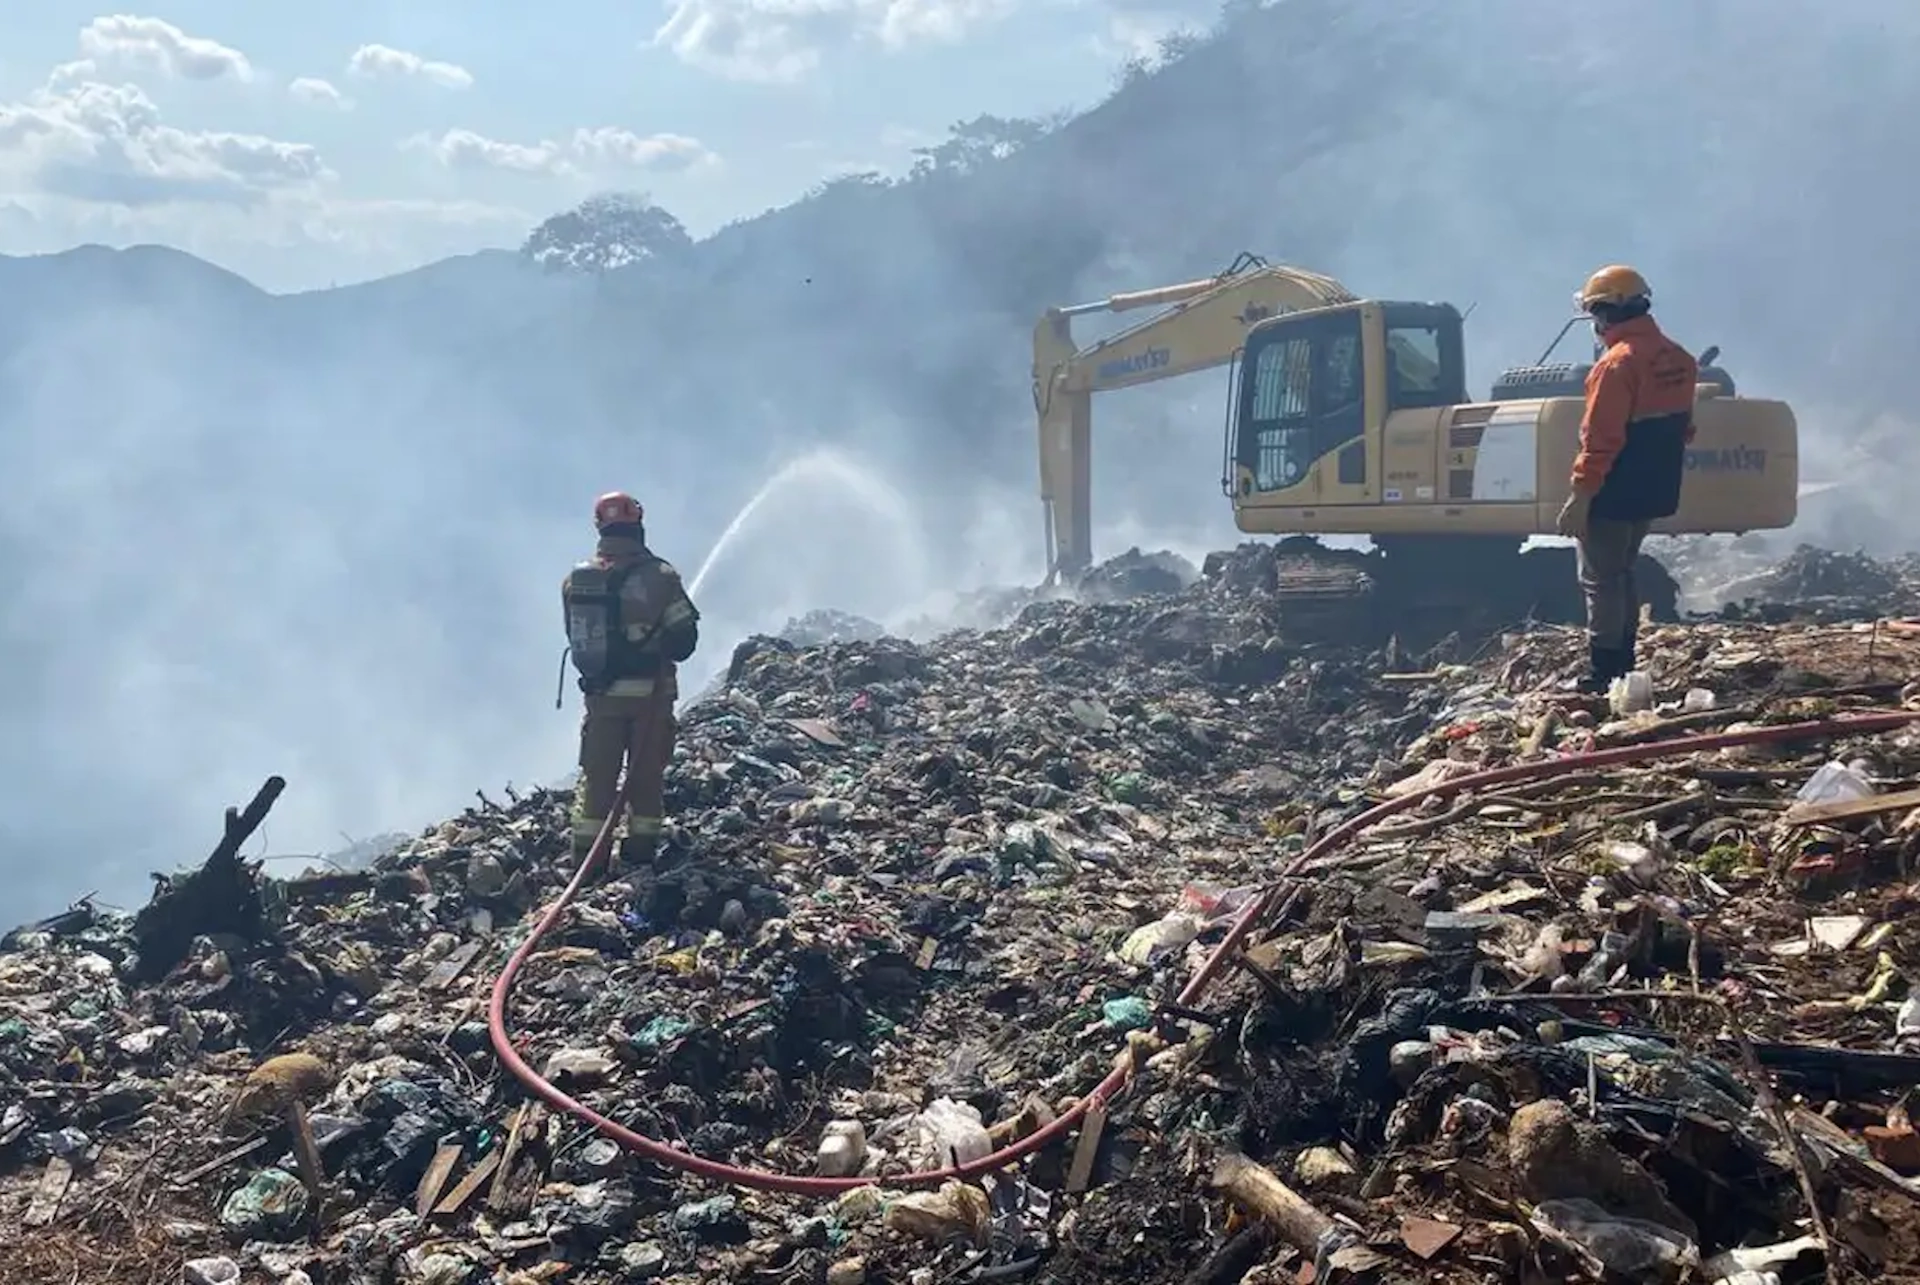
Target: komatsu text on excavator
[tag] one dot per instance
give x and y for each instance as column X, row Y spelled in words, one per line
column 1350, row 416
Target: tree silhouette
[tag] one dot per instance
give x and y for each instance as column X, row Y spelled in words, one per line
column 604, row 233
column 972, row 143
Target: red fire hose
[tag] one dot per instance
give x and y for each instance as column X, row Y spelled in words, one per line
column 1116, row 1080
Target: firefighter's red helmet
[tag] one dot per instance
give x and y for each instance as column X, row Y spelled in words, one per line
column 615, row 508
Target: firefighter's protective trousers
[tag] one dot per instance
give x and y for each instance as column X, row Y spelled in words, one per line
column 630, row 725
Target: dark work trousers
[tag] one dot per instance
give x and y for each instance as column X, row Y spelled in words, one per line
column 1607, row 553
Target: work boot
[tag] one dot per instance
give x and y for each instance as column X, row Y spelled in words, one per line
column 1604, row 664
column 636, row 850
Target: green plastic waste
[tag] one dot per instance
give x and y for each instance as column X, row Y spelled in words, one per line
column 270, row 1207
column 661, row 1030
column 1128, row 1013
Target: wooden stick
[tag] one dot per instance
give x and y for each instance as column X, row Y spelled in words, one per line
column 508, row 1153
column 220, row 1161
column 434, row 1180
column 240, row 825
column 306, row 1152
column 463, row 1191
column 448, row 970
column 1806, row 814
column 1080, row 1172
column 1256, row 1189
column 1537, row 739
column 1677, row 725
column 44, row 1207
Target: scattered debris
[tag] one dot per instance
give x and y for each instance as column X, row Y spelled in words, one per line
column 918, row 899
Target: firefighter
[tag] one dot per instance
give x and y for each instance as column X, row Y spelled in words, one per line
column 1633, row 440
column 629, row 623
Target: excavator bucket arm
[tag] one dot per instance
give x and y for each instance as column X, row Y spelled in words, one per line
column 1200, row 325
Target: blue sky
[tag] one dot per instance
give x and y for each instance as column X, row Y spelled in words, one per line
column 308, row 146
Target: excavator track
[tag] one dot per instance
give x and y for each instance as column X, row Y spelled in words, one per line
column 1422, row 592
column 1322, row 602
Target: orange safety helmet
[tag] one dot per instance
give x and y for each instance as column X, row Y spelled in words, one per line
column 616, row 508
column 1614, row 284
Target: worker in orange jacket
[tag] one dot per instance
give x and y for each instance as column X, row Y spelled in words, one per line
column 629, row 624
column 1627, row 475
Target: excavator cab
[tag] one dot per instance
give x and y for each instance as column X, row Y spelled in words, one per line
column 1311, row 387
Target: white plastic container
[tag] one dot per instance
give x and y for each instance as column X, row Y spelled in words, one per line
column 1631, row 693
column 843, row 1149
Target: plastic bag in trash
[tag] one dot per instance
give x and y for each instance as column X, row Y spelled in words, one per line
column 1633, row 1247
column 949, row 1133
column 1834, row 783
column 958, row 1211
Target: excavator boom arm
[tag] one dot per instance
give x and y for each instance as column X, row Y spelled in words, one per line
column 1202, row 325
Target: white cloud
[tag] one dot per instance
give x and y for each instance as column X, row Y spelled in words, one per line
column 778, row 41
column 907, row 22
column 382, row 61
column 596, row 150
column 106, row 144
column 462, row 149
column 87, row 159
column 153, row 42
column 608, row 146
column 318, row 93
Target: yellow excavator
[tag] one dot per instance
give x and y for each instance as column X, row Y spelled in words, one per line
column 1350, row 416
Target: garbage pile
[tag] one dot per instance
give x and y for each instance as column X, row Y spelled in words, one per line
column 1710, row 568
column 827, row 626
column 1641, row 1023
column 1832, row 586
column 1740, row 579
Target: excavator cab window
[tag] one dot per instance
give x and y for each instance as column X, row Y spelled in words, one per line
column 1304, row 397
column 1426, row 360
